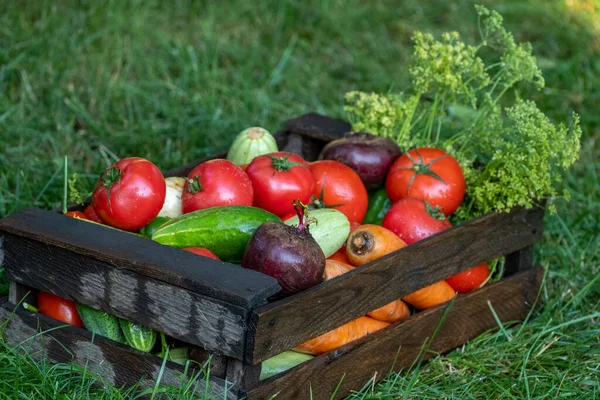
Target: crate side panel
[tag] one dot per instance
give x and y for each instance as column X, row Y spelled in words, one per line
column 86, row 240
column 117, row 364
column 286, row 323
column 318, row 126
column 397, row 346
column 213, row 324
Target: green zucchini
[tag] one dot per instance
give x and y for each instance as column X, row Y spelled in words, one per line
column 379, row 204
column 100, row 322
column 282, row 362
column 138, row 336
column 330, row 230
column 251, row 143
column 223, row 230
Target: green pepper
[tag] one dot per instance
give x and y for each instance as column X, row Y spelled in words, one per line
column 149, row 229
column 379, row 204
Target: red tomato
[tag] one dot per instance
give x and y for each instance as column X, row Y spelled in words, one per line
column 58, row 308
column 76, row 214
column 353, row 225
column 465, row 281
column 91, row 214
column 278, row 179
column 216, row 183
column 411, row 221
column 201, row 251
column 338, row 186
column 429, row 174
column 129, row 194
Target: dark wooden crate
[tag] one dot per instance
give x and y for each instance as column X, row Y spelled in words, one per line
column 225, row 312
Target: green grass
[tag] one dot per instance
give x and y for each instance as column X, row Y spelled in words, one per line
column 177, row 80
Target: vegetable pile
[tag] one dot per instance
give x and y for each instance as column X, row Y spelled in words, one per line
column 445, row 151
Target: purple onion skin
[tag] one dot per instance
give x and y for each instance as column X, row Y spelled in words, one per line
column 293, row 258
column 368, row 155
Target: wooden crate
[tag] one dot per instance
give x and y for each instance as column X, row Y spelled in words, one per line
column 227, row 314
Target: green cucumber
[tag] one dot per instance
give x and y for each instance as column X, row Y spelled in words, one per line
column 330, row 231
column 282, row 362
column 251, row 143
column 223, row 230
column 138, row 336
column 379, row 204
column 156, row 223
column 100, row 322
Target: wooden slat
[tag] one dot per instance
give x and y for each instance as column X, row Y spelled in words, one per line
column 116, row 363
column 318, row 127
column 217, row 326
column 375, row 355
column 18, row 293
column 87, row 242
column 286, row 323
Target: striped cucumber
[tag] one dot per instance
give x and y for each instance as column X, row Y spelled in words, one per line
column 223, row 230
column 138, row 336
column 251, row 143
column 330, row 231
column 100, row 322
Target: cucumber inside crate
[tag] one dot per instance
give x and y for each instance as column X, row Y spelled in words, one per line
column 228, row 313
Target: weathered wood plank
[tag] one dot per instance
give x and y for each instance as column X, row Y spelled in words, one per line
column 318, row 126
column 375, row 355
column 213, row 324
column 18, row 293
column 286, row 323
column 94, row 243
column 245, row 375
column 46, row 338
column 217, row 364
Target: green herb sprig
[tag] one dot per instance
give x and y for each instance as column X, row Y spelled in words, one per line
column 512, row 154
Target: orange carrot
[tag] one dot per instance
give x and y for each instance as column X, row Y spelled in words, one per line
column 335, row 268
column 369, row 242
column 340, row 255
column 338, row 337
column 395, row 311
column 430, row 296
column 392, row 312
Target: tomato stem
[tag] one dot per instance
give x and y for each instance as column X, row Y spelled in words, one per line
column 109, row 177
column 318, row 203
column 282, row 164
column 435, row 212
column 420, row 168
column 194, row 185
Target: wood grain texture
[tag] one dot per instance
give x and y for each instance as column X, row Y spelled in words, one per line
column 318, row 126
column 245, row 375
column 217, row 326
column 375, row 355
column 217, row 364
column 286, row 323
column 87, row 242
column 116, row 363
